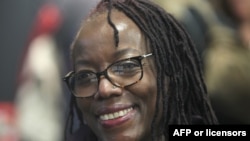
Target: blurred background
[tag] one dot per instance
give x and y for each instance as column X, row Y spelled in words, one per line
column 35, row 38
column 36, row 35
column 16, row 20
column 220, row 30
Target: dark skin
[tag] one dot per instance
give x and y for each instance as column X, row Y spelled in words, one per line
column 95, row 51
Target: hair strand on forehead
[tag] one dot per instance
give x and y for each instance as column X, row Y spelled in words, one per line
column 112, row 24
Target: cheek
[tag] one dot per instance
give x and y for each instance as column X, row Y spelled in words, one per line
column 146, row 90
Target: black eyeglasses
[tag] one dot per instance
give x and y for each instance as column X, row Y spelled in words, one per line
column 121, row 74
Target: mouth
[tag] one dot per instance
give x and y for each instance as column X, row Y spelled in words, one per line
column 115, row 115
column 115, row 118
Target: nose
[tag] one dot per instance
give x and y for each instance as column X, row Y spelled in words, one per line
column 106, row 89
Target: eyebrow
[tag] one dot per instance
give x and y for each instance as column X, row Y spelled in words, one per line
column 116, row 55
column 125, row 51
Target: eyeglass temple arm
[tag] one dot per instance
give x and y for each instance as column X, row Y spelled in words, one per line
column 67, row 75
column 147, row 55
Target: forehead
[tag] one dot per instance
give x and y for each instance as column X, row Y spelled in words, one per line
column 99, row 19
column 97, row 26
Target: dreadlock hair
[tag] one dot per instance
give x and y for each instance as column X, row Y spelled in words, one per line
column 185, row 101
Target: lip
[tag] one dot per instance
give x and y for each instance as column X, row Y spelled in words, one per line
column 110, row 123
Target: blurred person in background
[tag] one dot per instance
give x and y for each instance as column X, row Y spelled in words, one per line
column 197, row 17
column 39, row 96
column 222, row 44
column 235, row 15
column 227, row 63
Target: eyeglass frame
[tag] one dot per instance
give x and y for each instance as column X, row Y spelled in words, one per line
column 70, row 74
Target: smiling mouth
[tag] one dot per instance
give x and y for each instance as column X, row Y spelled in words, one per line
column 115, row 115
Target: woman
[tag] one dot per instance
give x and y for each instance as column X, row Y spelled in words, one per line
column 135, row 71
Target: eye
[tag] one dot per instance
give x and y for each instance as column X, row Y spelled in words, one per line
column 85, row 78
column 127, row 67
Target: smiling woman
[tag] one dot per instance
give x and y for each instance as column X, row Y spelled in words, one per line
column 135, row 71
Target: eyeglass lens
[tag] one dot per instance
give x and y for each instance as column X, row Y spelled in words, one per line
column 121, row 74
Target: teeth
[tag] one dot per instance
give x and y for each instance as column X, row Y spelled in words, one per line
column 115, row 115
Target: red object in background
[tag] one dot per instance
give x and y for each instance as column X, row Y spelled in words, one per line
column 48, row 19
column 8, row 131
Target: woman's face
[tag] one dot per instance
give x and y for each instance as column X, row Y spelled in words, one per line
column 95, row 51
